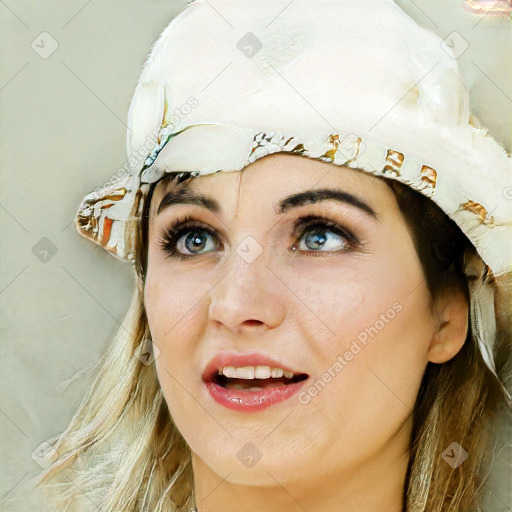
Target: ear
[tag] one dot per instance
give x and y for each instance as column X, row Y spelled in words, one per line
column 452, row 313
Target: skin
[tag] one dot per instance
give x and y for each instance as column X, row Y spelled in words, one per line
column 347, row 448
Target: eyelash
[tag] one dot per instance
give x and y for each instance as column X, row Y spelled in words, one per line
column 167, row 242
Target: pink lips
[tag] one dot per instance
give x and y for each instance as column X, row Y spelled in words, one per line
column 247, row 401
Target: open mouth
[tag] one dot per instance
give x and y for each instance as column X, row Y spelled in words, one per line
column 251, row 382
column 256, row 384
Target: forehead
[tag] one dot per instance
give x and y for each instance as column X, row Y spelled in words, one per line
column 273, row 176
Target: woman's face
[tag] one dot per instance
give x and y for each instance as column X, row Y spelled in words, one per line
column 344, row 302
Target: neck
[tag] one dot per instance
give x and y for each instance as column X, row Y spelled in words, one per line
column 376, row 485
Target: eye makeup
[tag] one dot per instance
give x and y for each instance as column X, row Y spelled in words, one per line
column 170, row 241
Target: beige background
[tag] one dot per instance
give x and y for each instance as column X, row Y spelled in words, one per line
column 62, row 135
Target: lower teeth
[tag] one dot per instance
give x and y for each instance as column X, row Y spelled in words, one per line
column 254, row 388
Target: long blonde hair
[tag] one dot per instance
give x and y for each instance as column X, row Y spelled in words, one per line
column 122, row 451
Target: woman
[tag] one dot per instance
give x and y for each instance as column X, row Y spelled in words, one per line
column 326, row 329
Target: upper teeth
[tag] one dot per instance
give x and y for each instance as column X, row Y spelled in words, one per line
column 254, row 372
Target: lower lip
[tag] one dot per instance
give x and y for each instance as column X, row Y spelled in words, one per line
column 252, row 401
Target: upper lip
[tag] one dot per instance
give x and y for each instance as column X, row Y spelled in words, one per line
column 240, row 360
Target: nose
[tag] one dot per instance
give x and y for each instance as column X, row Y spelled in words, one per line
column 247, row 296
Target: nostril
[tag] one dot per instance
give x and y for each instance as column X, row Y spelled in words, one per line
column 251, row 323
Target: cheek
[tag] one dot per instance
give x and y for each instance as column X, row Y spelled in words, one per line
column 376, row 300
column 380, row 328
column 176, row 302
column 173, row 300
column 369, row 364
column 174, row 310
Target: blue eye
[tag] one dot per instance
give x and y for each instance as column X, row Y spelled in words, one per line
column 318, row 239
column 195, row 242
column 316, row 229
column 185, row 240
column 179, row 246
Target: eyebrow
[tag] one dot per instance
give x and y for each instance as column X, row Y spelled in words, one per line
column 293, row 201
column 323, row 194
column 187, row 197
